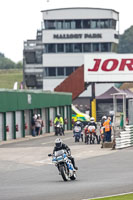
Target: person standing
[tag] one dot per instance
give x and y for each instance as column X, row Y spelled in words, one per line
column 38, row 125
column 33, row 125
column 102, row 131
column 107, row 125
column 108, row 136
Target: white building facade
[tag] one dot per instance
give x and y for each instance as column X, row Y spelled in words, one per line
column 67, row 35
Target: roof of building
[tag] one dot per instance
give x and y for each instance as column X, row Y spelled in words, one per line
column 113, row 90
column 80, row 8
column 127, row 86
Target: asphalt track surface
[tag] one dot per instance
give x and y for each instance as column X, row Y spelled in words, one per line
column 26, row 172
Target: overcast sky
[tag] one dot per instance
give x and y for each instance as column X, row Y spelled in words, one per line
column 20, row 19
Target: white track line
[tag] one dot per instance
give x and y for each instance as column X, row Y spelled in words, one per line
column 53, row 142
column 47, row 143
column 110, row 196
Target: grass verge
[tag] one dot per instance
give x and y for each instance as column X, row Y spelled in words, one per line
column 121, row 197
column 9, row 77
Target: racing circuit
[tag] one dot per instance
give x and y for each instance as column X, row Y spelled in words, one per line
column 27, row 172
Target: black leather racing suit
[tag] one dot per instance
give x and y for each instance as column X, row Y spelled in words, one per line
column 65, row 147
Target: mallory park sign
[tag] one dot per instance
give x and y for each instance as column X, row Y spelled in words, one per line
column 108, row 67
column 76, row 36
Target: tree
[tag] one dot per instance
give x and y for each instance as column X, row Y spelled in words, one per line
column 6, row 63
column 126, row 41
column 19, row 65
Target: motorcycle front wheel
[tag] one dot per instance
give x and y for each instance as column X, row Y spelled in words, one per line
column 64, row 174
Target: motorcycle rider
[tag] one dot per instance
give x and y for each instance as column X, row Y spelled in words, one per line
column 59, row 145
column 92, row 123
column 59, row 119
column 80, row 124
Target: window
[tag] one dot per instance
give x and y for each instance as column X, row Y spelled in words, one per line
column 39, row 56
column 30, row 57
column 78, row 24
column 60, row 47
column 101, row 24
column 116, row 36
column 67, row 24
column 51, row 48
column 86, row 24
column 87, row 47
column 106, row 23
column 69, row 70
column 93, row 24
column 45, row 72
column 50, row 24
column 69, row 48
column 73, row 48
column 60, row 71
column 52, row 71
column 73, row 25
column 59, row 24
column 45, row 49
column 98, row 24
column 104, row 47
column 96, row 47
column 77, row 48
column 113, row 24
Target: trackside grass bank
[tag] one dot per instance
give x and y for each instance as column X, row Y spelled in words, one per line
column 121, row 197
column 9, row 77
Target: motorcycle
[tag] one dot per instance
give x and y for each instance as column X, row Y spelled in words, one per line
column 92, row 134
column 77, row 133
column 64, row 165
column 58, row 129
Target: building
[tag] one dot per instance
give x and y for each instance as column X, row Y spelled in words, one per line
column 17, row 109
column 66, row 36
column 105, row 103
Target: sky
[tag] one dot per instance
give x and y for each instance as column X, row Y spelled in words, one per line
column 20, row 19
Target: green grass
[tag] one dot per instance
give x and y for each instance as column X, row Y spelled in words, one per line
column 9, row 77
column 121, row 197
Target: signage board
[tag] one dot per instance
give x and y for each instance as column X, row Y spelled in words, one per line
column 77, row 36
column 108, row 67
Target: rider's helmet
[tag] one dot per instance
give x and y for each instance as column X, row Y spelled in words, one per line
column 78, row 123
column 92, row 119
column 58, row 115
column 104, row 117
column 58, row 142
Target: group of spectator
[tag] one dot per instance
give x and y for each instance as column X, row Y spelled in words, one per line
column 36, row 125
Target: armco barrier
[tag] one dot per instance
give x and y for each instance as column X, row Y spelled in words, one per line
column 125, row 139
